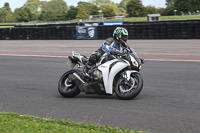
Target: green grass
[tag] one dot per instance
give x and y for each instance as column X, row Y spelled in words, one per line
column 15, row 123
column 180, row 17
column 1, row 27
column 144, row 19
column 133, row 19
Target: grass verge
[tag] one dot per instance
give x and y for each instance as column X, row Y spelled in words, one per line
column 133, row 19
column 11, row 122
column 163, row 18
column 1, row 27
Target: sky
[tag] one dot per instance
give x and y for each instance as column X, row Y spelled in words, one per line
column 19, row 3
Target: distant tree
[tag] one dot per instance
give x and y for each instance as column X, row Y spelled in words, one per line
column 57, row 8
column 34, row 6
column 82, row 13
column 48, row 15
column 7, row 7
column 3, row 13
column 23, row 14
column 162, row 11
column 90, row 8
column 72, row 13
column 121, row 12
column 170, row 3
column 94, row 10
column 113, row 6
column 9, row 17
column 182, row 6
column 135, row 8
column 99, row 3
column 123, row 4
column 107, row 10
column 195, row 4
column 150, row 10
column 169, row 10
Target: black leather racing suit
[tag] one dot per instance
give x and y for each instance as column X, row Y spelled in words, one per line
column 109, row 46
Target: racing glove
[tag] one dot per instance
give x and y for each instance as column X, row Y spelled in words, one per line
column 113, row 52
column 142, row 60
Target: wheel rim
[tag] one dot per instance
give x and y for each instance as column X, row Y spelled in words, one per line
column 68, row 82
column 128, row 87
column 67, row 85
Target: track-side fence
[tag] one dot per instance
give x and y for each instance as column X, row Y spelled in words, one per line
column 188, row 29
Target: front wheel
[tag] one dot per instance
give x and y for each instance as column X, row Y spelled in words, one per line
column 66, row 86
column 127, row 90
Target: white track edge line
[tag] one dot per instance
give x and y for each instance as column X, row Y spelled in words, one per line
column 50, row 56
column 34, row 55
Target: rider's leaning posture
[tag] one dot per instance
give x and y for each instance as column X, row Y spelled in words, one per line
column 116, row 73
column 112, row 45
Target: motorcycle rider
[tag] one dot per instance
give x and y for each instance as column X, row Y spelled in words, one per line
column 112, row 45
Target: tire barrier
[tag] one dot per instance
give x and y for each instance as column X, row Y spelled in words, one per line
column 38, row 33
column 188, row 29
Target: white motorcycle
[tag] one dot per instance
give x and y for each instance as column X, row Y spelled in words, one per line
column 113, row 74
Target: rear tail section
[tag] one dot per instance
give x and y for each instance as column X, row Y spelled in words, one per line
column 80, row 58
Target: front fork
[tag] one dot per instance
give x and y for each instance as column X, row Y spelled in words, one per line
column 127, row 74
column 126, row 77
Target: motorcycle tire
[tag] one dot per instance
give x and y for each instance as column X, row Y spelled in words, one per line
column 66, row 87
column 128, row 93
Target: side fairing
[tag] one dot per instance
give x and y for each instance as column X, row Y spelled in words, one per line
column 109, row 70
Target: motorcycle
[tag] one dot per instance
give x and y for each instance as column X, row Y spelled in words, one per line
column 114, row 74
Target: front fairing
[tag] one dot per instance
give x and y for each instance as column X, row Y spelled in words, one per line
column 134, row 60
column 109, row 71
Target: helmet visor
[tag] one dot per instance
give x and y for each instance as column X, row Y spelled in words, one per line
column 124, row 38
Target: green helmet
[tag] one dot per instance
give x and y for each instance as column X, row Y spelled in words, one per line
column 120, row 33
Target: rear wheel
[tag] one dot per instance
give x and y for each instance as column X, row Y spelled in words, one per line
column 66, row 86
column 127, row 90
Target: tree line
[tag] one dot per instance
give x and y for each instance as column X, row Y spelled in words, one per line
column 182, row 6
column 55, row 10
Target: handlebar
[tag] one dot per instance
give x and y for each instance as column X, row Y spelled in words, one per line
column 118, row 55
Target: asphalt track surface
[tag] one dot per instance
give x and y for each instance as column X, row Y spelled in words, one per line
column 168, row 103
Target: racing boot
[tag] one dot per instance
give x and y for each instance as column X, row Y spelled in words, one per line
column 86, row 69
column 86, row 74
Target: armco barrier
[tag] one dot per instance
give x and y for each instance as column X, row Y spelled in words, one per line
column 189, row 29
